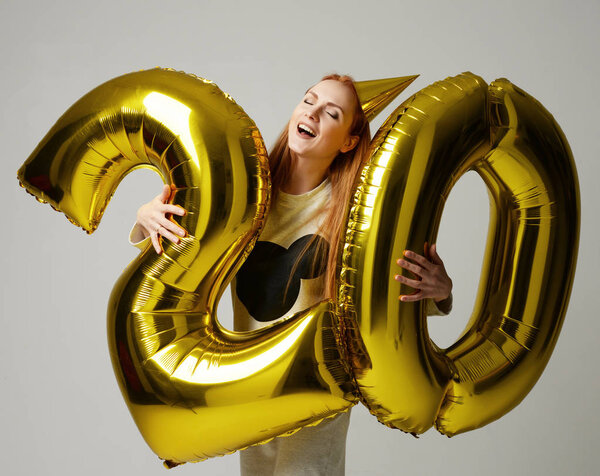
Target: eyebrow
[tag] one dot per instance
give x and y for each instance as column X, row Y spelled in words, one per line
column 329, row 103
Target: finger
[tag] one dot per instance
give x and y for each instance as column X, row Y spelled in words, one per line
column 172, row 227
column 416, row 269
column 173, row 209
column 413, row 283
column 434, row 256
column 156, row 242
column 424, row 262
column 168, row 235
column 165, row 194
column 411, row 297
column 426, row 250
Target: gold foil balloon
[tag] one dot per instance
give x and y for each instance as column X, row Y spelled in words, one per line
column 419, row 153
column 197, row 390
column 194, row 389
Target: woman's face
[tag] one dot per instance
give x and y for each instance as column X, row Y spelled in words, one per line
column 320, row 125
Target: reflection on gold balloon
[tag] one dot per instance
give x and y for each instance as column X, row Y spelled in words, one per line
column 419, row 153
column 197, row 390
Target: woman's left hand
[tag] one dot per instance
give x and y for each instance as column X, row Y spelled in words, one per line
column 432, row 280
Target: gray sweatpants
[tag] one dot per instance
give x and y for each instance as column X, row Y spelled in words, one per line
column 312, row 451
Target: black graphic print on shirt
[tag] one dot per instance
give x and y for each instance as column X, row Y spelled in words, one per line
column 261, row 281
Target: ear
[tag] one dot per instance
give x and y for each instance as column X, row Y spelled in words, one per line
column 350, row 143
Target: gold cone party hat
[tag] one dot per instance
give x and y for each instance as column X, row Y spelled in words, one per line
column 376, row 94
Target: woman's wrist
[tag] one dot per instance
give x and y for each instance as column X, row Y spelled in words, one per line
column 444, row 305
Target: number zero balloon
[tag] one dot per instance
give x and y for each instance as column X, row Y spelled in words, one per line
column 422, row 149
column 197, row 390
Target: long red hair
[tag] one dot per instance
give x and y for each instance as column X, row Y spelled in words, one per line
column 343, row 173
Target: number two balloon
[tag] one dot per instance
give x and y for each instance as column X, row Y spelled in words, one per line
column 197, row 390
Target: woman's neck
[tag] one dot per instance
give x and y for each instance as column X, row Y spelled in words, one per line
column 305, row 176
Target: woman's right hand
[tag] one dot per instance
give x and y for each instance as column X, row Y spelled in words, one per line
column 153, row 220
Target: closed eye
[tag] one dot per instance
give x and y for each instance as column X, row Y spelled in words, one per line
column 334, row 115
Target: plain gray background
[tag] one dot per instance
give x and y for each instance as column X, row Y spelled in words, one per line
column 61, row 411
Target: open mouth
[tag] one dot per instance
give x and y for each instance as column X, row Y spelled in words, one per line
column 306, row 131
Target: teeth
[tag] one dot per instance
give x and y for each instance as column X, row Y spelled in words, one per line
column 307, row 129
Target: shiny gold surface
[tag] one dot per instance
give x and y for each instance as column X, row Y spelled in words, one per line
column 377, row 94
column 529, row 264
column 194, row 389
column 419, row 153
column 197, row 390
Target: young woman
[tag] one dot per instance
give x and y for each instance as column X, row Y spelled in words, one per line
column 314, row 164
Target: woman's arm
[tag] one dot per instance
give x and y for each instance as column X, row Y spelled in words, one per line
column 153, row 220
column 431, row 281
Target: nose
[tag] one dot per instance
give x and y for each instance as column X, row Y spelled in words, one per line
column 311, row 112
